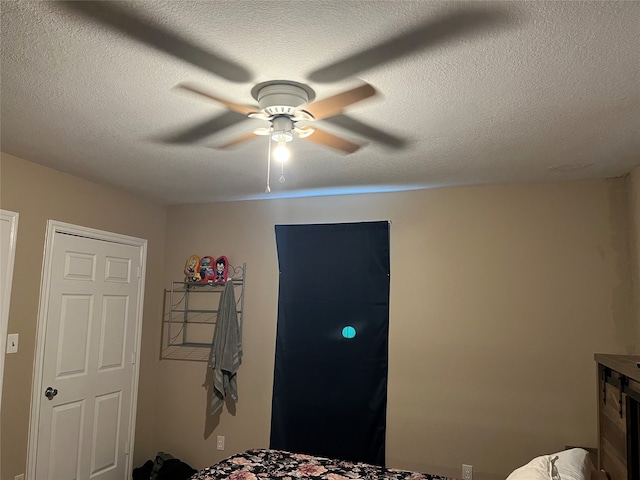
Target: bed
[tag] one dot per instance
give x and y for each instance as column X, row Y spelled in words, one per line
column 266, row 464
column 277, row 464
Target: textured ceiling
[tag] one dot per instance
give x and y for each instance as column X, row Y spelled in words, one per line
column 523, row 92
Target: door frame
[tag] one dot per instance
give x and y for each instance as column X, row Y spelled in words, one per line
column 54, row 227
column 5, row 294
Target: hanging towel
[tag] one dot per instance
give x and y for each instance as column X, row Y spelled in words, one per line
column 226, row 351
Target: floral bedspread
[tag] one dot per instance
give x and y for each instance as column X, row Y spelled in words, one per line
column 261, row 464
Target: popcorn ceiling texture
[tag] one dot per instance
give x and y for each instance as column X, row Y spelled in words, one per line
column 551, row 93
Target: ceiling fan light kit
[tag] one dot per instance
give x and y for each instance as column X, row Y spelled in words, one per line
column 282, row 127
column 281, row 132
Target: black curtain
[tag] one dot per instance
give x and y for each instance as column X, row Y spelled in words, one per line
column 330, row 379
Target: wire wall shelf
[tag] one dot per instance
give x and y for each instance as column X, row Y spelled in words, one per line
column 190, row 315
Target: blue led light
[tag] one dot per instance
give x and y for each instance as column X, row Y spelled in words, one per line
column 348, row 332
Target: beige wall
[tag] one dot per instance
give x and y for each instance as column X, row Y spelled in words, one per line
column 38, row 194
column 500, row 296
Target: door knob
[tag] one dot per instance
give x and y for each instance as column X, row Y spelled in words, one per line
column 50, row 393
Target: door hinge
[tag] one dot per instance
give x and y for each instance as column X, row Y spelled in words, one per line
column 126, row 448
column 139, row 272
column 133, row 358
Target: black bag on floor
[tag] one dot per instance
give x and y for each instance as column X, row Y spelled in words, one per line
column 165, row 467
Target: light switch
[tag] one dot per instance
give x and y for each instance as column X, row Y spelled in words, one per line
column 12, row 343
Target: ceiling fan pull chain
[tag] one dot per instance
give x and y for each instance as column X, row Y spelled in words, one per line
column 268, row 189
column 281, row 179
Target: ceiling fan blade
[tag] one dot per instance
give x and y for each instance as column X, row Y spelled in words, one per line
column 330, row 106
column 126, row 21
column 204, row 129
column 322, row 137
column 232, row 143
column 444, row 28
column 236, row 107
column 262, row 131
column 367, row 131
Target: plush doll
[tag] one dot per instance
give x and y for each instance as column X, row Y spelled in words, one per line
column 222, row 270
column 191, row 269
column 207, row 273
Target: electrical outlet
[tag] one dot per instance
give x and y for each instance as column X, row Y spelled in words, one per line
column 220, row 442
column 467, row 472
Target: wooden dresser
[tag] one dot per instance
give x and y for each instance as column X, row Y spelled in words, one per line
column 619, row 416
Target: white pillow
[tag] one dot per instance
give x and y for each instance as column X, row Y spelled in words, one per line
column 573, row 464
column 540, row 468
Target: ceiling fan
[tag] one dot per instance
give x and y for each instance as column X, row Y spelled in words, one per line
column 284, row 103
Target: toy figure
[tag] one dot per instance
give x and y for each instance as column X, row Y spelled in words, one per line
column 222, row 268
column 190, row 269
column 206, row 269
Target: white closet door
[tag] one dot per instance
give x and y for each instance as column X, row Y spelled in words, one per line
column 86, row 392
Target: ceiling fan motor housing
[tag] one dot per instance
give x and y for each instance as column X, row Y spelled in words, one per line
column 281, row 97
